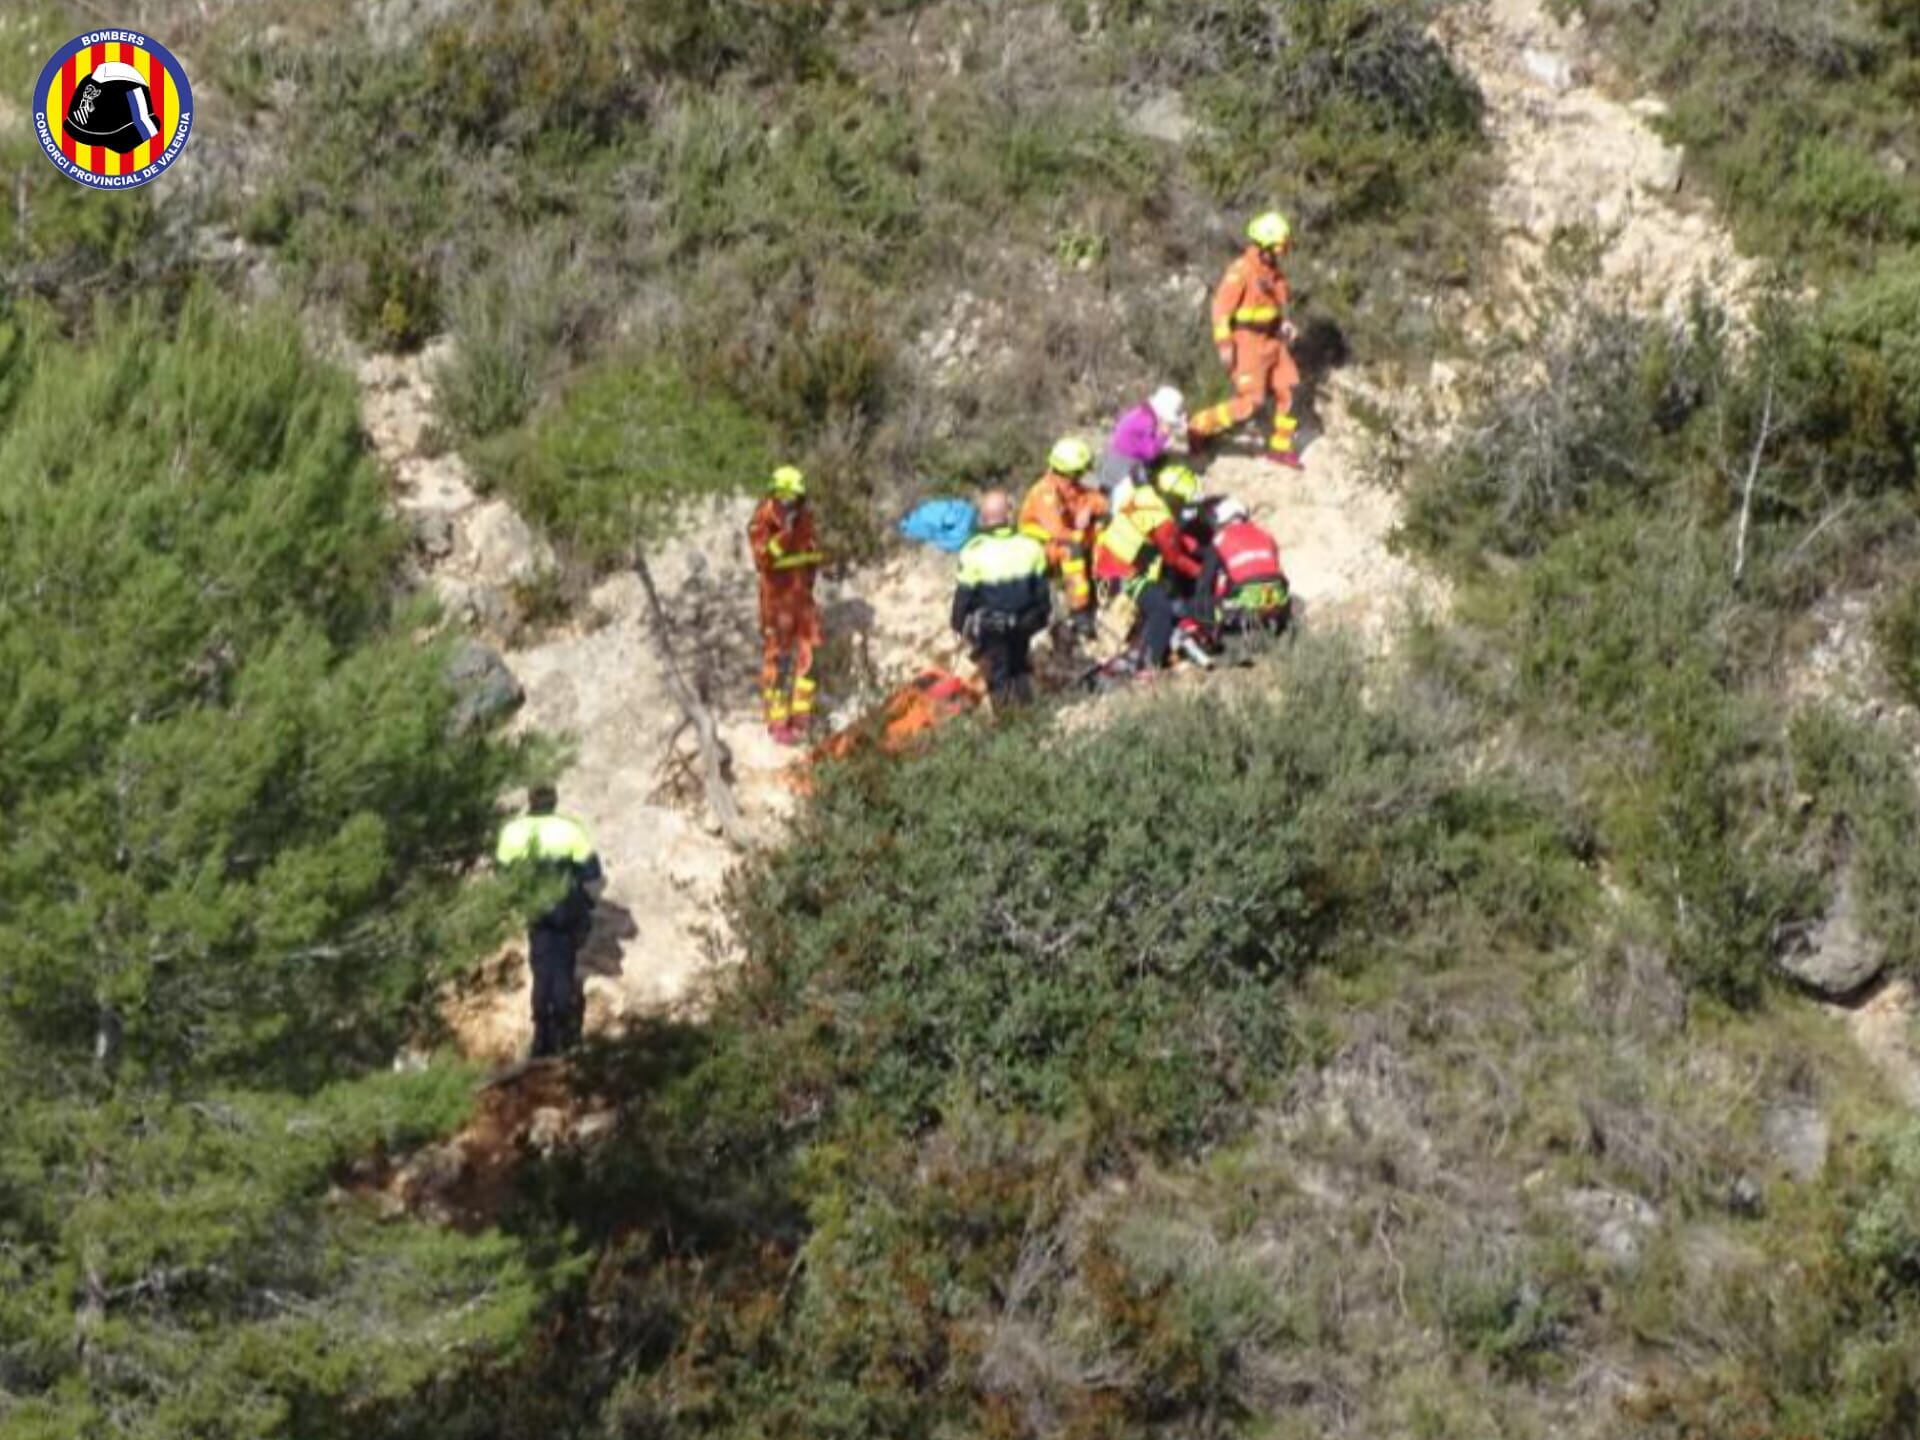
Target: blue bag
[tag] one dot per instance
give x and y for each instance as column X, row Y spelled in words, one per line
column 944, row 524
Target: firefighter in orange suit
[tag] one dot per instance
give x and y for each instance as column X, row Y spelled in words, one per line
column 1064, row 513
column 787, row 557
column 1252, row 333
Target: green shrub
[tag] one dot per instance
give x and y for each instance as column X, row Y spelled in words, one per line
column 1583, row 425
column 512, row 331
column 1897, row 628
column 1788, row 111
column 1858, row 370
column 627, row 441
column 237, row 816
column 1863, row 794
column 1011, row 918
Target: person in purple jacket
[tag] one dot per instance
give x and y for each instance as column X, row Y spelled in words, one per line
column 1141, row 438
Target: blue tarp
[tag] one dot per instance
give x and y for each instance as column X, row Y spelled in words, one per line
column 943, row 524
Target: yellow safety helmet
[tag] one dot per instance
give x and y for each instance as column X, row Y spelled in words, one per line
column 1071, row 457
column 1269, row 231
column 788, row 483
column 1177, row 482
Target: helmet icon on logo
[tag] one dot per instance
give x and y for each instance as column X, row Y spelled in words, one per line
column 113, row 108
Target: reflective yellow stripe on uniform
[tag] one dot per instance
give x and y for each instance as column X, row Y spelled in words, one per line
column 997, row 556
column 1222, row 331
column 1146, row 512
column 803, row 689
column 1256, row 315
column 1036, row 532
column 543, row 837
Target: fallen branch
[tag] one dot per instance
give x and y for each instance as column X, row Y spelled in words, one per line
column 1746, row 494
column 720, row 797
column 1814, row 534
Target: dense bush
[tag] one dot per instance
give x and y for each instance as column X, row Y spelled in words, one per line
column 1028, row 920
column 624, row 444
column 1638, row 468
column 1864, row 797
column 1573, row 425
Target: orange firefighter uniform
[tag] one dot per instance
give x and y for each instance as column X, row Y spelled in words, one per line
column 787, row 556
column 1249, row 316
column 1064, row 515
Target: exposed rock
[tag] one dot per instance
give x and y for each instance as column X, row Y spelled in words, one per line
column 548, row 1129
column 501, row 548
column 1552, row 70
column 1745, row 1197
column 1619, row 1222
column 1887, row 1029
column 1163, row 116
column 593, row 1126
column 433, row 1170
column 1796, row 1134
column 1840, row 958
column 486, row 687
column 439, row 482
column 433, row 533
column 1660, row 170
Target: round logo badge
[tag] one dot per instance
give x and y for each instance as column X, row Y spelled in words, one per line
column 113, row 109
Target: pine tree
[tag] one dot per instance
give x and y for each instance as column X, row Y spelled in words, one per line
column 236, row 817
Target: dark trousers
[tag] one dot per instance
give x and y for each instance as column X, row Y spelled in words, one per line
column 1008, row 663
column 1156, row 622
column 553, row 952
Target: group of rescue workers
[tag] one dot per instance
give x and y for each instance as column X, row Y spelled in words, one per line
column 1126, row 535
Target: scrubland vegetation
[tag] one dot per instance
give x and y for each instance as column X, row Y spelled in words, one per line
column 1370, row 1055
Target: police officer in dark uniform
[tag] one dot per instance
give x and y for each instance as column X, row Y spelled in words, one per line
column 558, row 848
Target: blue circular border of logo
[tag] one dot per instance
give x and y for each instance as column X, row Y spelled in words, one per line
column 44, row 133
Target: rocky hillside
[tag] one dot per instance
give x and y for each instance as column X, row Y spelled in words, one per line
column 1491, row 1013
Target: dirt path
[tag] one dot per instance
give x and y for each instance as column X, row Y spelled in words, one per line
column 1572, row 156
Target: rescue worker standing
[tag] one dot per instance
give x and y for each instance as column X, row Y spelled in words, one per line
column 1063, row 513
column 1252, row 332
column 1243, row 586
column 786, row 556
column 1140, row 545
column 558, row 848
column 1001, row 600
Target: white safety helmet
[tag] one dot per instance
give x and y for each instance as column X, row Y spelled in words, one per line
column 1228, row 511
column 1169, row 406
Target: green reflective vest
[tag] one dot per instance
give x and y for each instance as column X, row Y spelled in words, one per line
column 543, row 837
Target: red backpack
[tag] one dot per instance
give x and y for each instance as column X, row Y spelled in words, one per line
column 1251, row 556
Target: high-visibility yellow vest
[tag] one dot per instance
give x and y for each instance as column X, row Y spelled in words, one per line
column 995, row 557
column 1132, row 529
column 543, row 837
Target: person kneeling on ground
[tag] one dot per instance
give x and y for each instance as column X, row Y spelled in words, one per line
column 1142, row 438
column 557, row 848
column 1138, row 549
column 1063, row 514
column 1001, row 600
column 1243, row 584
